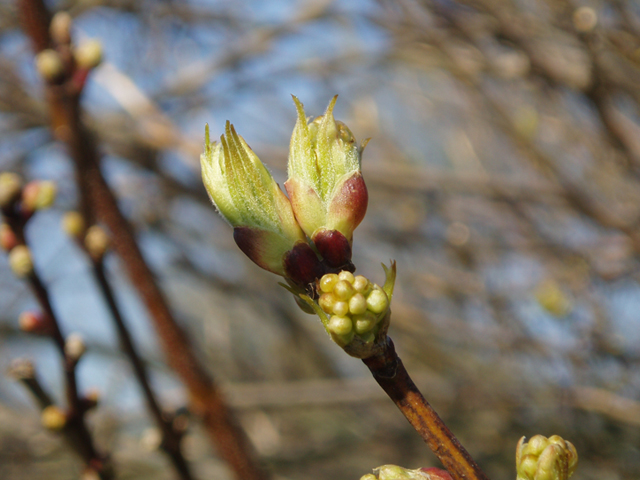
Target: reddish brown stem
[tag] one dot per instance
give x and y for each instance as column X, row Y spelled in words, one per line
column 389, row 372
column 75, row 431
column 97, row 198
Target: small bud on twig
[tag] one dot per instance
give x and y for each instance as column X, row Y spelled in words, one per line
column 32, row 322
column 22, row 369
column 60, row 28
column 20, row 261
column 96, row 242
column 49, row 65
column 8, row 239
column 10, row 187
column 53, row 418
column 74, row 347
column 88, row 55
column 73, row 224
column 38, row 195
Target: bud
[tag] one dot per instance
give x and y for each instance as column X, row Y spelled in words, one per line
column 96, row 241
column 53, row 418
column 325, row 185
column 38, row 195
column 73, row 224
column 10, row 187
column 60, row 28
column 544, row 458
column 585, row 19
column 88, row 55
column 247, row 196
column 74, row 347
column 393, row 472
column 49, row 65
column 354, row 311
column 22, row 369
column 20, row 261
column 8, row 239
column 33, row 322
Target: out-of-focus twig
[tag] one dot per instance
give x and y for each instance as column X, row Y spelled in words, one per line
column 68, row 126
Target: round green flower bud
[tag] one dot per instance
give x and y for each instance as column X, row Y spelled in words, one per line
column 346, row 276
column 357, row 304
column 10, row 187
column 327, row 282
column 341, row 308
column 361, row 284
column 326, row 302
column 73, row 224
column 88, row 55
column 340, row 325
column 364, row 323
column 343, row 290
column 377, row 301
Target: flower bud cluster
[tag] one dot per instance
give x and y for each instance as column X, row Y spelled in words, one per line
column 543, row 458
column 394, row 472
column 355, row 305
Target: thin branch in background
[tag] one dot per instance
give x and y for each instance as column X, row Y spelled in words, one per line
column 72, row 422
column 97, row 200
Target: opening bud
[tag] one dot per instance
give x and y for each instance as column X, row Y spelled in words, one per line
column 545, row 458
column 74, row 347
column 325, row 184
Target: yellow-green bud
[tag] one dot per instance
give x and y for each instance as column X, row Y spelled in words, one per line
column 347, row 276
column 341, row 308
column 327, row 301
column 361, row 284
column 38, row 195
column 20, row 261
column 340, row 325
column 328, row 281
column 544, row 458
column 10, row 187
column 74, row 347
column 377, row 301
column 53, row 418
column 364, row 323
column 368, row 476
column 49, row 65
column 60, row 27
column 96, row 241
column 343, row 290
column 73, row 224
column 88, row 55
column 357, row 304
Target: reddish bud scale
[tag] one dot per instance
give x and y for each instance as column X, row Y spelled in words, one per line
column 334, row 248
column 349, row 205
column 437, row 473
column 301, row 264
column 8, row 238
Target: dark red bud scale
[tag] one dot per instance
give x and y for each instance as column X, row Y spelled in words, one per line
column 302, row 265
column 334, row 248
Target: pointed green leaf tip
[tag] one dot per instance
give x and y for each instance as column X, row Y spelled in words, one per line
column 247, row 196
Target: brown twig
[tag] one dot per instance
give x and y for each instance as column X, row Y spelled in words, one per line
column 75, row 430
column 170, row 436
column 67, row 125
column 388, row 370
